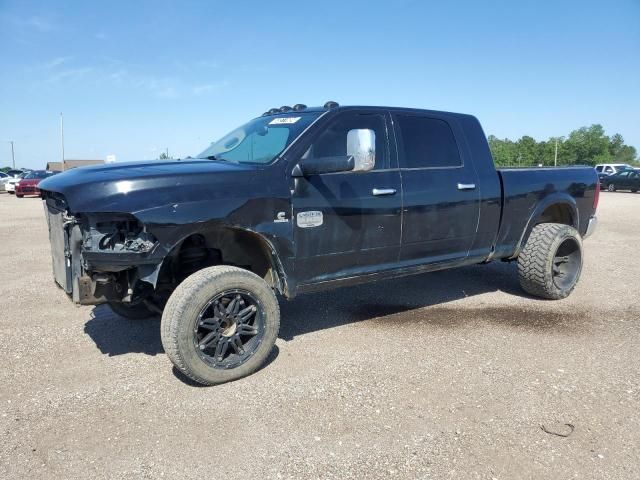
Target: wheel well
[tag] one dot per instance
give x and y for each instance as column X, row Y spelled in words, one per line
column 221, row 246
column 557, row 213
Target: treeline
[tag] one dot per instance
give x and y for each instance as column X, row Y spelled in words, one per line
column 586, row 146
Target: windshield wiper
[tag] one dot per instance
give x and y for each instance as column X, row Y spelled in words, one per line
column 220, row 159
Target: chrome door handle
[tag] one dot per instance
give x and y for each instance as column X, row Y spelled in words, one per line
column 383, row 191
column 466, row 186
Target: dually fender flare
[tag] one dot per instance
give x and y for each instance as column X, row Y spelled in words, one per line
column 558, row 198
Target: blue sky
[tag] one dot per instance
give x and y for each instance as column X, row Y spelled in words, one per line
column 136, row 77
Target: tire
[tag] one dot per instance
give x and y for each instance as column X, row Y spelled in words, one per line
column 611, row 187
column 138, row 311
column 19, row 196
column 196, row 311
column 550, row 263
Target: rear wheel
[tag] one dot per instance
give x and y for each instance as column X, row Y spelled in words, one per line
column 550, row 263
column 220, row 324
column 611, row 187
column 136, row 311
column 19, row 196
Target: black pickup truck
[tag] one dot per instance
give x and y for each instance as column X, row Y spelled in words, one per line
column 299, row 200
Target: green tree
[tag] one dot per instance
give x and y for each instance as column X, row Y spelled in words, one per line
column 586, row 145
column 165, row 156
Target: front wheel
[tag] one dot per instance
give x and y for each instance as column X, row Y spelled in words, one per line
column 611, row 187
column 19, row 196
column 550, row 263
column 220, row 324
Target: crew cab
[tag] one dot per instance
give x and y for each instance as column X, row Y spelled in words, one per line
column 299, row 200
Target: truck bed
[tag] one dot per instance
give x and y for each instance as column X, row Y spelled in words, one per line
column 527, row 192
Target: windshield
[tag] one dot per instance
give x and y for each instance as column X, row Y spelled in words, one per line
column 261, row 140
column 36, row 175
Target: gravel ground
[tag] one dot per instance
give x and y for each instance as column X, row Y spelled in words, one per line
column 444, row 375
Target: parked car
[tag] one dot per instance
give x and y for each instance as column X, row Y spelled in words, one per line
column 29, row 184
column 625, row 180
column 611, row 168
column 8, row 176
column 10, row 183
column 606, row 169
column 300, row 200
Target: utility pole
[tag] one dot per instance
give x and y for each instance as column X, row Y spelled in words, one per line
column 62, row 137
column 13, row 157
column 555, row 159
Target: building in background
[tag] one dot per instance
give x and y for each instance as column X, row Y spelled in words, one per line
column 69, row 164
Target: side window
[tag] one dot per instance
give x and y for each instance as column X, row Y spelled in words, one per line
column 624, row 174
column 599, row 169
column 608, row 170
column 427, row 143
column 332, row 142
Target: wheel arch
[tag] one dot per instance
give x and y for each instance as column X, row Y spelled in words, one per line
column 231, row 245
column 560, row 208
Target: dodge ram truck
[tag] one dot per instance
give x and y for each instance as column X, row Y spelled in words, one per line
column 299, row 200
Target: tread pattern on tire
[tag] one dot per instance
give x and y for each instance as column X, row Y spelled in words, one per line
column 535, row 261
column 185, row 294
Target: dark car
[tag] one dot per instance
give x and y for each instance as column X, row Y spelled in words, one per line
column 29, row 184
column 625, row 180
column 299, row 200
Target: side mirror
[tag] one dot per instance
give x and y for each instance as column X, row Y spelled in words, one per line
column 316, row 166
column 361, row 145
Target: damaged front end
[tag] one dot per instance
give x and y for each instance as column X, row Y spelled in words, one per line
column 102, row 257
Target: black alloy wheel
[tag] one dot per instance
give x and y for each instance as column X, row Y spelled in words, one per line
column 567, row 263
column 229, row 329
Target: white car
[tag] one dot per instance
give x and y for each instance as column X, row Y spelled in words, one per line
column 11, row 182
column 611, row 168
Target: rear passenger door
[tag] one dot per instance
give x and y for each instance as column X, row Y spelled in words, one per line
column 441, row 198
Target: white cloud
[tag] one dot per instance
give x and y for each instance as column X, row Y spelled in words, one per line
column 35, row 22
column 73, row 73
column 208, row 88
column 55, row 62
column 207, row 64
column 120, row 74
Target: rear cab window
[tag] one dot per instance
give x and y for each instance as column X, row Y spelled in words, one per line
column 427, row 143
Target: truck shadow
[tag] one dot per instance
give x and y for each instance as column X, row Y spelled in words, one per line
column 115, row 335
column 389, row 298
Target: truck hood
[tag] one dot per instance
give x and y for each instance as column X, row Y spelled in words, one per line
column 136, row 186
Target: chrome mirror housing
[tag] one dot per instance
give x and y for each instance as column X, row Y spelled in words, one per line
column 361, row 145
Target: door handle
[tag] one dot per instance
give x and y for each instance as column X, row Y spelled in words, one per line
column 466, row 186
column 383, row 191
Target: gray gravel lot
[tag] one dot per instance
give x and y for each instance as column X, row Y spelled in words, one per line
column 443, row 375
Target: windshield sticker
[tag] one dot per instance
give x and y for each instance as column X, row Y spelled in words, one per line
column 284, row 120
column 312, row 218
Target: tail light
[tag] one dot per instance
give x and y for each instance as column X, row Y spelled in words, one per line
column 596, row 196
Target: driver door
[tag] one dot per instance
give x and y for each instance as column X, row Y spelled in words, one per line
column 347, row 223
